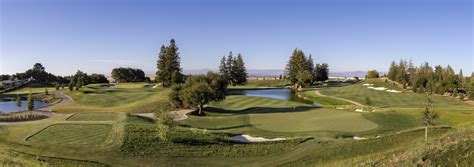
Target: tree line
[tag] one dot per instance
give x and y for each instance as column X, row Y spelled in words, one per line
column 233, row 70
column 301, row 70
column 128, row 75
column 440, row 80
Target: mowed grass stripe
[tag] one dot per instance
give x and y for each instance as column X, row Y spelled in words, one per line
column 73, row 134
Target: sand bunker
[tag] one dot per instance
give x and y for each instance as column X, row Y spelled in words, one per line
column 248, row 138
column 368, row 84
column 359, row 110
column 394, row 91
column 358, row 138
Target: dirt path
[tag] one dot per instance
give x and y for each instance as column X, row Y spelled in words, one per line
column 350, row 101
column 180, row 114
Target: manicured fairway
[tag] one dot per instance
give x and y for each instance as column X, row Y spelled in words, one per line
column 73, row 134
column 241, row 102
column 312, row 120
column 359, row 93
column 126, row 97
column 94, row 117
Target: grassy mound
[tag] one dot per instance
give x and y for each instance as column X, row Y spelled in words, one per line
column 143, row 140
column 72, row 134
column 359, row 93
column 125, row 97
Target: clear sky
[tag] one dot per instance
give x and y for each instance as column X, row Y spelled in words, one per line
column 98, row 35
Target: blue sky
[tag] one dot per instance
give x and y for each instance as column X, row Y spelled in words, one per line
column 98, row 35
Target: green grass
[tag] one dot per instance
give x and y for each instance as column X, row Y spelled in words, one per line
column 359, row 92
column 97, row 132
column 72, row 134
column 313, row 120
column 125, row 97
column 94, row 117
column 273, row 118
column 310, row 95
column 143, row 140
column 253, row 84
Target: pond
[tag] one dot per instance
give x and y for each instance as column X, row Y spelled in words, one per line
column 10, row 106
column 280, row 94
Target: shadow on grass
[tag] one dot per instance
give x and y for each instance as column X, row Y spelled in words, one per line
column 260, row 110
column 223, row 128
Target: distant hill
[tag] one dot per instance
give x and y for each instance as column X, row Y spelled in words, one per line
column 263, row 73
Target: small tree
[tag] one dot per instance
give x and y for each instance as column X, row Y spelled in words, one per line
column 429, row 115
column 57, row 86
column 46, row 91
column 18, row 100
column 30, row 104
column 163, row 122
column 198, row 90
column 71, row 86
column 368, row 101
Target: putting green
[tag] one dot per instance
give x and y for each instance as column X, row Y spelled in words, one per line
column 313, row 120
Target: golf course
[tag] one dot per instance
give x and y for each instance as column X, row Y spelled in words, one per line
column 103, row 126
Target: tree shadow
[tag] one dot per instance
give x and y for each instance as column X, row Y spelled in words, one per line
column 260, row 110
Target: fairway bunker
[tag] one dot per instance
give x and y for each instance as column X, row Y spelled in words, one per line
column 250, row 139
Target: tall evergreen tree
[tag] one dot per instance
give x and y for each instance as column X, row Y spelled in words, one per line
column 230, row 69
column 392, row 72
column 311, row 68
column 168, row 65
column 240, row 72
column 295, row 67
column 223, row 71
column 322, row 72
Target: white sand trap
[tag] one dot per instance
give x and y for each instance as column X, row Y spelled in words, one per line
column 377, row 88
column 359, row 110
column 248, row 138
column 394, row 91
column 358, row 138
column 368, row 84
column 156, row 85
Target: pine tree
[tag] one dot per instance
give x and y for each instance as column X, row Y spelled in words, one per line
column 392, row 72
column 240, row 70
column 168, row 65
column 30, row 102
column 230, row 69
column 295, row 67
column 311, row 68
column 428, row 114
column 322, row 72
column 71, row 86
column 223, row 71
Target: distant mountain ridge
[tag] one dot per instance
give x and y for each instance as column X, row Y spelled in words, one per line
column 274, row 72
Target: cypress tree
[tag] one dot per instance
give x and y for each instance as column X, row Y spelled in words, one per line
column 30, row 104
column 392, row 72
column 18, row 100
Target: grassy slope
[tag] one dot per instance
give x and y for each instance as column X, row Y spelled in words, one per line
column 232, row 116
column 254, row 84
column 270, row 117
column 126, row 97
